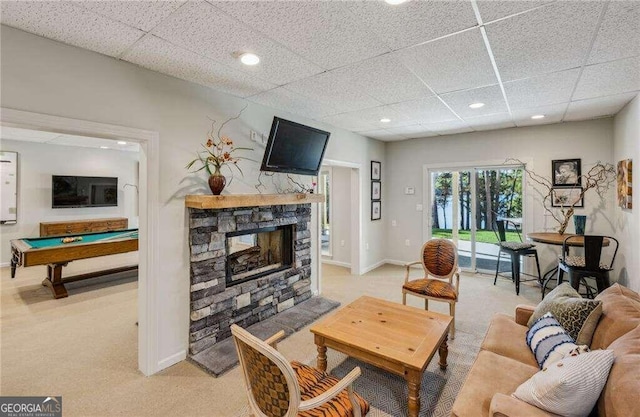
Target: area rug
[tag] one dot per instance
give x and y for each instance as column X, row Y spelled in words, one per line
column 388, row 393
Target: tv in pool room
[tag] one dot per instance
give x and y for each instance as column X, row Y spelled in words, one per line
column 74, row 191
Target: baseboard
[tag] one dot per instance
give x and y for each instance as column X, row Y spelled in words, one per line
column 402, row 263
column 172, row 360
column 336, row 263
column 374, row 266
column 3, row 264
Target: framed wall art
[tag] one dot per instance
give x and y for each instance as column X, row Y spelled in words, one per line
column 625, row 191
column 376, row 171
column 376, row 190
column 566, row 197
column 566, row 172
column 376, row 210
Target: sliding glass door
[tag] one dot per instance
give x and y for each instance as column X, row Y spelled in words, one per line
column 464, row 206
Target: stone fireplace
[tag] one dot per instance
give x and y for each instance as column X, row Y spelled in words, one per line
column 247, row 264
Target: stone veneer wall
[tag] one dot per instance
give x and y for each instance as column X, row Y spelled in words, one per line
column 214, row 307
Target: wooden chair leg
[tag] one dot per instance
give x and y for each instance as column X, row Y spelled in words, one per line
column 404, row 298
column 426, row 304
column 452, row 313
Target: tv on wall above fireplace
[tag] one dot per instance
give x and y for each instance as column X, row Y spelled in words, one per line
column 72, row 191
column 294, row 148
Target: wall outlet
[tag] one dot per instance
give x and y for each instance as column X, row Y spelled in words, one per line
column 394, row 223
column 342, row 243
column 257, row 138
column 407, row 242
column 409, row 190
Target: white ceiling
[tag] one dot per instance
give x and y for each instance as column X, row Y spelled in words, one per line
column 351, row 63
column 51, row 138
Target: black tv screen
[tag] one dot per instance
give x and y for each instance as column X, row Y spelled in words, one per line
column 73, row 191
column 294, row 148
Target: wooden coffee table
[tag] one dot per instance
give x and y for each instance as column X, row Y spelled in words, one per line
column 394, row 337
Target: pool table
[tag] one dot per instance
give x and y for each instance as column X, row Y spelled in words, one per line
column 51, row 251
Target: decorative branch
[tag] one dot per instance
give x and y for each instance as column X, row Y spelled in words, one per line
column 598, row 178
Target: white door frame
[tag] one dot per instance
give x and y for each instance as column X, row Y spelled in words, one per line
column 148, row 361
column 356, row 212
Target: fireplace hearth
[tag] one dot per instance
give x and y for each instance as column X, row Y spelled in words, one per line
column 247, row 264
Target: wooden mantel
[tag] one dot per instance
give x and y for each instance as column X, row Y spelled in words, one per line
column 249, row 200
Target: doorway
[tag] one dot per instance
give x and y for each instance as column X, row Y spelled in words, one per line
column 464, row 204
column 148, row 361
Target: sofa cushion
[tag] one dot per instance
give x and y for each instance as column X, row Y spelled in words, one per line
column 577, row 315
column 571, row 386
column 620, row 314
column 507, row 338
column 490, row 374
column 549, row 342
column 623, row 383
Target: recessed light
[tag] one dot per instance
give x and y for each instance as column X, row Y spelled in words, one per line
column 121, row 142
column 385, row 120
column 537, row 116
column 104, row 147
column 476, row 105
column 249, row 59
column 395, row 2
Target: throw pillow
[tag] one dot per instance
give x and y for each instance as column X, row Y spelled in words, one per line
column 569, row 387
column 578, row 316
column 549, row 342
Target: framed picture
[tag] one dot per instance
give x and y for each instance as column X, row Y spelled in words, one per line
column 376, row 171
column 376, row 210
column 565, row 197
column 566, row 172
column 625, row 192
column 375, row 190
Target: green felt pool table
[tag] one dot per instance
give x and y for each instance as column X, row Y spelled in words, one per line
column 51, row 251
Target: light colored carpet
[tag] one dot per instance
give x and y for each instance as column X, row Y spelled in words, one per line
column 84, row 347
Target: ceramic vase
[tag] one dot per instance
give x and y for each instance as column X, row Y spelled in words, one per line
column 217, row 181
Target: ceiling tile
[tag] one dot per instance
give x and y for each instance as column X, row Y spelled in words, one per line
column 608, row 79
column 491, row 10
column 427, row 110
column 66, row 23
column 552, row 114
column 382, row 134
column 413, row 22
column 490, row 121
column 386, row 79
column 412, row 131
column 201, row 28
column 144, row 15
column 374, row 115
column 283, row 99
column 490, row 96
column 619, row 34
column 335, row 88
column 545, row 40
column 349, row 122
column 458, row 62
column 597, row 107
column 542, row 90
column 449, row 128
column 159, row 55
column 321, row 31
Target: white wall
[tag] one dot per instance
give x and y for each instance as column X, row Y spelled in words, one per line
column 43, row 76
column 591, row 141
column 37, row 162
column 626, row 129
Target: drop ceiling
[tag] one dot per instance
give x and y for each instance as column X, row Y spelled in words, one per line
column 352, row 63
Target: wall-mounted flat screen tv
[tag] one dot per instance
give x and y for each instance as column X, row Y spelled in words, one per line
column 73, row 191
column 294, row 148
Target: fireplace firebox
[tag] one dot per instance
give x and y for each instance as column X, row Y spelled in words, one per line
column 258, row 252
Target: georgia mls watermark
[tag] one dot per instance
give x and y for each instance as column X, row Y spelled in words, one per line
column 30, row 406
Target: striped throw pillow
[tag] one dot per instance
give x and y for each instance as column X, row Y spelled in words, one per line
column 569, row 387
column 550, row 342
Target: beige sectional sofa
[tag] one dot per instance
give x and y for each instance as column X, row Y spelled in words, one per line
column 505, row 361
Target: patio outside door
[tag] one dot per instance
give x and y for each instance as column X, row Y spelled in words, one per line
column 464, row 205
